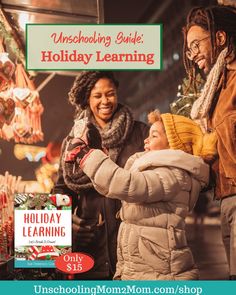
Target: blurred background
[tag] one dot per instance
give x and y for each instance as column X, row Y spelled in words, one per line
column 141, row 90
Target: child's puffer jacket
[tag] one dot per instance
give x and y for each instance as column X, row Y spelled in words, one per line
column 158, row 190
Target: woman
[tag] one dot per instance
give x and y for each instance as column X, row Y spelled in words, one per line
column 96, row 223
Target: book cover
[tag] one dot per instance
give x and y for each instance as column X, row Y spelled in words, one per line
column 42, row 229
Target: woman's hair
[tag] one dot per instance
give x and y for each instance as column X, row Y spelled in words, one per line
column 84, row 83
column 212, row 19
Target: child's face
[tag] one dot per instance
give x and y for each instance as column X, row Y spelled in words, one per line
column 157, row 139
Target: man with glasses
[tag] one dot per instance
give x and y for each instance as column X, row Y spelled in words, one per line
column 210, row 48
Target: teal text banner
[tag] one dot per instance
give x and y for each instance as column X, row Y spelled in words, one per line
column 118, row 287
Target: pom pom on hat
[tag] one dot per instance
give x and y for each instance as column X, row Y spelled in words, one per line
column 184, row 134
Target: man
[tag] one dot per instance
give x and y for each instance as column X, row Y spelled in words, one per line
column 210, row 47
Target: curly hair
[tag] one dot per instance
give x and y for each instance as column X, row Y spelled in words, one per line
column 212, row 19
column 84, row 83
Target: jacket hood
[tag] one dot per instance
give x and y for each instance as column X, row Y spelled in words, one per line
column 174, row 158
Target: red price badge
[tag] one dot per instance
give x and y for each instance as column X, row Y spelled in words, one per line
column 73, row 263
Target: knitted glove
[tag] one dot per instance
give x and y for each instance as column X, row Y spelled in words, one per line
column 93, row 137
column 76, row 150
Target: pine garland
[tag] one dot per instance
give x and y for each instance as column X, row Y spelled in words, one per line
column 186, row 96
column 10, row 39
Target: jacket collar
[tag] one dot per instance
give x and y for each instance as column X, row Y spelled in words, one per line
column 232, row 66
column 173, row 158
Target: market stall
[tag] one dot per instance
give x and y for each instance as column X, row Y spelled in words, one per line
column 22, row 107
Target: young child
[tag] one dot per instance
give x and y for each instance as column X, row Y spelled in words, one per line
column 158, row 188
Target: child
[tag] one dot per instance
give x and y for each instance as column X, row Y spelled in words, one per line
column 158, row 188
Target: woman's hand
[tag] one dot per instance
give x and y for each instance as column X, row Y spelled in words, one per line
column 77, row 148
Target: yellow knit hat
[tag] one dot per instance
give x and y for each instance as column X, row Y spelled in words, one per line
column 184, row 134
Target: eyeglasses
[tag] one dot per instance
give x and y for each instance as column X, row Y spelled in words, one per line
column 194, row 48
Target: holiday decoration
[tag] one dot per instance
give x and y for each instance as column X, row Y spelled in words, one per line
column 7, row 110
column 20, row 199
column 46, row 174
column 64, row 250
column 20, row 106
column 34, row 251
column 47, row 253
column 31, row 152
column 37, row 202
column 8, row 186
column 60, row 200
column 27, row 121
column 186, row 96
column 7, row 67
column 11, row 38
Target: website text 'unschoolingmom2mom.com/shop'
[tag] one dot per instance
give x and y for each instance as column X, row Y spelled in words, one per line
column 124, row 289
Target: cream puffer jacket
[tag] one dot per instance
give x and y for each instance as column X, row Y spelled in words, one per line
column 158, row 189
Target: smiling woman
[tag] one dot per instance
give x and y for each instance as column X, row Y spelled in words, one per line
column 96, row 220
column 103, row 101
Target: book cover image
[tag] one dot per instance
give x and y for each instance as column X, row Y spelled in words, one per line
column 42, row 229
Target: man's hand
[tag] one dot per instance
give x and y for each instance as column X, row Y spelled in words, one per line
column 83, row 234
